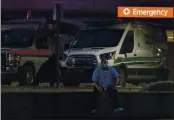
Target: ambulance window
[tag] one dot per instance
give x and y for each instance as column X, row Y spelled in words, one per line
column 128, row 44
column 18, row 38
column 161, row 37
column 42, row 43
column 156, row 37
column 43, row 38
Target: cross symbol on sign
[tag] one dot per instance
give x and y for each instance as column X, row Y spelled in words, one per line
column 126, row 11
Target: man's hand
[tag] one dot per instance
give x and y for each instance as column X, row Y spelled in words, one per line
column 60, row 85
column 114, row 82
column 99, row 88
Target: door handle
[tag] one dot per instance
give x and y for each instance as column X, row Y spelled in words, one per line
column 138, row 44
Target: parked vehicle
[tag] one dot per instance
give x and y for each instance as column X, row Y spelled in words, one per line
column 18, row 41
column 28, row 42
column 137, row 49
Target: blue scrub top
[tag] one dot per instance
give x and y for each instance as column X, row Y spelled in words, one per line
column 104, row 77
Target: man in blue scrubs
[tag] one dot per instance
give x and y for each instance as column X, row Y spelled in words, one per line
column 105, row 79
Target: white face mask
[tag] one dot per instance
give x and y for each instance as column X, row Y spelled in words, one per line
column 105, row 65
column 110, row 62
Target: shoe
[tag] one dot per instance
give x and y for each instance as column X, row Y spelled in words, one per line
column 118, row 109
column 93, row 111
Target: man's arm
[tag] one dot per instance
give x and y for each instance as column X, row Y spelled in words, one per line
column 95, row 78
column 115, row 76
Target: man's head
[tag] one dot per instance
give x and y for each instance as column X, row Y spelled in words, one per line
column 104, row 63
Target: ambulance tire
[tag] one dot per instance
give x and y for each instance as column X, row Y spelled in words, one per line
column 123, row 76
column 27, row 76
column 162, row 74
column 6, row 81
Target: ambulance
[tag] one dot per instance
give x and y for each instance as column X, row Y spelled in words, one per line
column 27, row 45
column 136, row 49
column 21, row 54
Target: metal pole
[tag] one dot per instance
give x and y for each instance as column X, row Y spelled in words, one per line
column 93, row 4
column 2, row 2
column 56, row 19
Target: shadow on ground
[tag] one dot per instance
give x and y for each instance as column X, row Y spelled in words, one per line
column 77, row 105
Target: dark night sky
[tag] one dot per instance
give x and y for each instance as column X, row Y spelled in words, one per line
column 79, row 4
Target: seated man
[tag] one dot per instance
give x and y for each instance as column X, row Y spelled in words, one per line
column 105, row 79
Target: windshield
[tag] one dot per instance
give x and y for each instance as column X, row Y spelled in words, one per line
column 97, row 38
column 17, row 37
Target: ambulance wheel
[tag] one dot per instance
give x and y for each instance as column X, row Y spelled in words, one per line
column 6, row 81
column 123, row 77
column 9, row 80
column 27, row 76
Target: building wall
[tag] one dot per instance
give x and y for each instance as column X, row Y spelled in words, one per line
column 170, row 34
column 171, row 60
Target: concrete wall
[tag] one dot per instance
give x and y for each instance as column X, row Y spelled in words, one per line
column 77, row 104
column 171, row 60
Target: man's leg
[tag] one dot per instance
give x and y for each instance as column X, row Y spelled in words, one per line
column 95, row 100
column 113, row 94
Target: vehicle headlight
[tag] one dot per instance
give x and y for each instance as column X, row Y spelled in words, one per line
column 13, row 59
column 63, row 57
column 108, row 56
column 159, row 49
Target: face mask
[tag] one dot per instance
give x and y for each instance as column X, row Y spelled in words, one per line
column 105, row 65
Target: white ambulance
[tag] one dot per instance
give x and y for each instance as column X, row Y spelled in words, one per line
column 136, row 49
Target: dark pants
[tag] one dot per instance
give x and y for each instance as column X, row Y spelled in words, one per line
column 113, row 96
